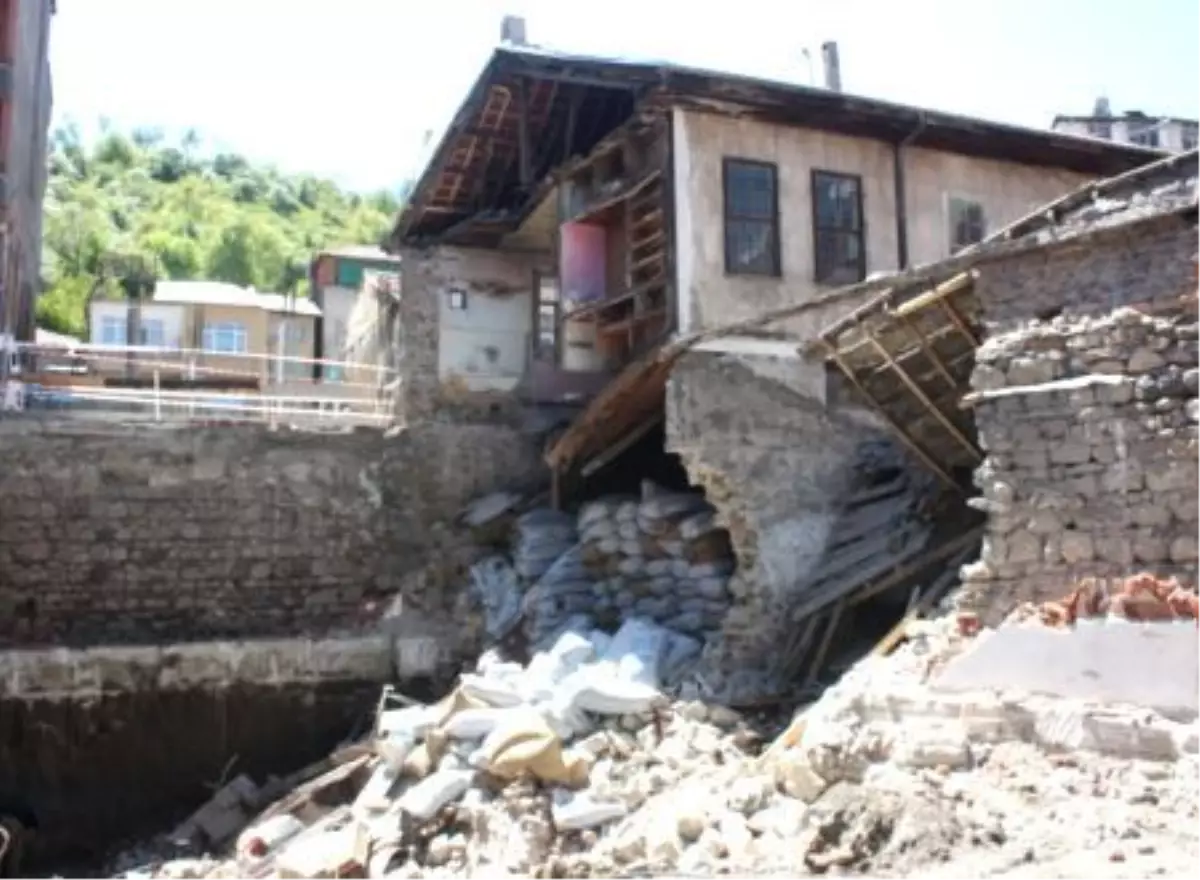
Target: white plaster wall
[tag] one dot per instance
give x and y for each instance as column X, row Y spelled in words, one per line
column 170, row 315
column 1007, row 191
column 485, row 345
column 708, row 297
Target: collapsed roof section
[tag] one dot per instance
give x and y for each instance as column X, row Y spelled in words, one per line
column 532, row 110
column 910, row 350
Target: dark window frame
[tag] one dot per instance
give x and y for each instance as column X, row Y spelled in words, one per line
column 731, row 163
column 823, row 274
column 1145, row 134
column 952, row 201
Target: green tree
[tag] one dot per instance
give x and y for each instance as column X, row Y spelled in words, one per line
column 190, row 216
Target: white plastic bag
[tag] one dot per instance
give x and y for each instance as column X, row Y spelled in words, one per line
column 547, row 668
column 574, row 810
column 415, row 721
column 424, row 799
column 471, row 724
column 627, row 678
column 375, row 795
column 494, row 690
column 395, row 748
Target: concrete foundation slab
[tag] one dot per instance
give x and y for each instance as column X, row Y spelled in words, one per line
column 1150, row 665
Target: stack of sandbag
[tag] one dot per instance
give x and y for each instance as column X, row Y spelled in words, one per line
column 497, row 589
column 661, row 556
column 542, row 536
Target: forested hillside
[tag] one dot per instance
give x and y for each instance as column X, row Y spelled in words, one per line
column 189, row 215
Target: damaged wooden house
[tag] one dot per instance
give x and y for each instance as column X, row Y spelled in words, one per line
column 642, row 249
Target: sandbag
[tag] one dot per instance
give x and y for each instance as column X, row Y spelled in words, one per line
column 579, row 810
column 491, row 689
column 412, row 721
column 547, row 668
column 637, row 557
column 424, row 799
column 496, row 586
column 626, row 680
column 395, row 747
column 526, row 745
column 375, row 795
column 471, row 724
column 543, row 536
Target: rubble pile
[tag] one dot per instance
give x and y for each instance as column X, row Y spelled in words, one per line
column 1139, row 598
column 575, row 764
column 522, row 768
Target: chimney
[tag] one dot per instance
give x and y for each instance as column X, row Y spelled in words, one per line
column 833, row 70
column 512, row 30
column 1102, row 109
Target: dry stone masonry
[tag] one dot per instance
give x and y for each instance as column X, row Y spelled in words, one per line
column 1089, row 422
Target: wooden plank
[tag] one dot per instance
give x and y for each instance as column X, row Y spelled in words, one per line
column 609, row 454
column 957, row 319
column 897, row 429
column 647, row 261
column 814, row 666
column 896, row 634
column 872, row 558
column 930, row 353
column 937, row 294
column 590, row 211
column 793, row 653
column 920, row 394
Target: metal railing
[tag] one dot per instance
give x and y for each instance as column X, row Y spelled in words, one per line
column 168, row 384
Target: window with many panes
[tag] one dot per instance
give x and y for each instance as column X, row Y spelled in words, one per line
column 113, row 329
column 224, row 337
column 967, row 223
column 751, row 218
column 838, row 241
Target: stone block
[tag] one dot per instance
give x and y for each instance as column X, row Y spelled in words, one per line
column 1076, row 547
column 1070, row 453
column 1145, row 360
column 1183, row 549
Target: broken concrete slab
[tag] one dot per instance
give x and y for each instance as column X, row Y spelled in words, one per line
column 1151, row 665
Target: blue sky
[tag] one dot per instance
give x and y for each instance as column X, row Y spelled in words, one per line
column 348, row 89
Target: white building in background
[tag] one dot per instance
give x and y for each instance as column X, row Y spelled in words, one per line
column 1132, row 127
column 226, row 329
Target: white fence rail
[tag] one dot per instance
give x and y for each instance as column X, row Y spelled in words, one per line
column 196, row 385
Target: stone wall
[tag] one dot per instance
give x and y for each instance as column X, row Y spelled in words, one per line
column 153, row 535
column 774, row 460
column 1088, row 418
